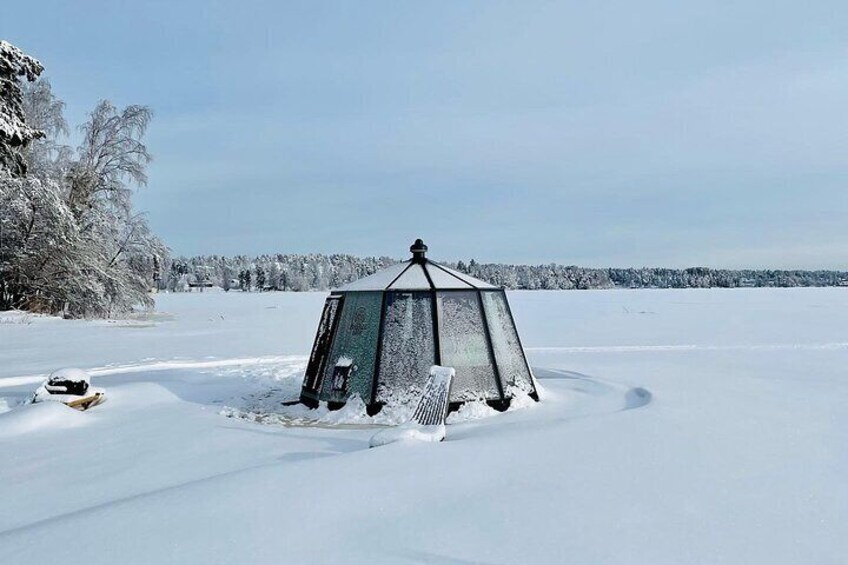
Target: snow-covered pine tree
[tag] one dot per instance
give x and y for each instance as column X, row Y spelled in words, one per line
column 15, row 132
column 244, row 280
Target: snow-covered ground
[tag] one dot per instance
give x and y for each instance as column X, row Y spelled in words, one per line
column 691, row 426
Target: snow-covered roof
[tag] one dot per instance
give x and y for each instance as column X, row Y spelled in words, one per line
column 419, row 273
column 411, row 275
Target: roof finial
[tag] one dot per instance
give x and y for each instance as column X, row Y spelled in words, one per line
column 418, row 250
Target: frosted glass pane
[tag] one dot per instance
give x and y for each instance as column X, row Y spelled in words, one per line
column 462, row 338
column 511, row 365
column 408, row 351
column 356, row 340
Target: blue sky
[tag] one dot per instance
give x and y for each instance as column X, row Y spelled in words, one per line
column 591, row 133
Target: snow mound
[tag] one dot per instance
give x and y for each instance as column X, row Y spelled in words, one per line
column 428, row 421
column 141, row 396
column 406, row 433
column 7, row 404
column 353, row 413
column 478, row 409
column 268, row 408
column 39, row 417
column 472, row 411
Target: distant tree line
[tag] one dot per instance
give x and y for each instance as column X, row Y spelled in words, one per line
column 323, row 272
column 268, row 272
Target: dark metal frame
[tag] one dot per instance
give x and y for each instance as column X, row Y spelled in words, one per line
column 312, row 396
column 434, row 313
column 374, row 407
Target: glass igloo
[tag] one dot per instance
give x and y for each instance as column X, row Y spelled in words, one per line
column 379, row 335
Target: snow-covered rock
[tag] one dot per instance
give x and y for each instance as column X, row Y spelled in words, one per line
column 70, row 386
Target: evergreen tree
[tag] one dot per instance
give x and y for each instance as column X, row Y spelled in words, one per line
column 15, row 132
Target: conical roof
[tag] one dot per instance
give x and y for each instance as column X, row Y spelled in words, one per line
column 418, row 273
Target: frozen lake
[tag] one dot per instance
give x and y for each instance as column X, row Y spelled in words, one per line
column 676, row 426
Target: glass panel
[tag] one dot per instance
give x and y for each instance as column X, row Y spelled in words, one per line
column 462, row 338
column 511, row 364
column 355, row 344
column 408, row 351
